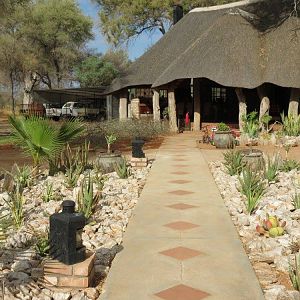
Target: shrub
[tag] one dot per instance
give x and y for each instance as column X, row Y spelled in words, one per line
column 291, row 124
column 223, row 127
column 233, row 162
column 252, row 187
column 289, row 165
column 272, row 168
column 143, row 128
column 86, row 199
column 294, row 272
column 122, row 169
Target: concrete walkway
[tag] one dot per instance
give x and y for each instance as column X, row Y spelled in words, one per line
column 181, row 243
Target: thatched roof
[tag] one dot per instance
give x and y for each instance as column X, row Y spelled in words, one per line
column 240, row 44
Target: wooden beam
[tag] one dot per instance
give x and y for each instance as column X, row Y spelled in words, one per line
column 172, row 111
column 242, row 106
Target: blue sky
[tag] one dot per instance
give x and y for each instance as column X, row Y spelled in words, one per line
column 135, row 48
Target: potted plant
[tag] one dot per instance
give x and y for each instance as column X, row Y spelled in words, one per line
column 106, row 161
column 223, row 137
column 251, row 129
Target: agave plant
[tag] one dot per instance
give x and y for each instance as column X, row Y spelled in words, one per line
column 40, row 139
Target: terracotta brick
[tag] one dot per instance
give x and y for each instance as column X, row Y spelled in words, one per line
column 135, row 159
column 50, row 280
column 56, row 267
column 84, row 268
column 78, row 282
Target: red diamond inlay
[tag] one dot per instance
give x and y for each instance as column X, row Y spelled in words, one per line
column 180, row 173
column 181, row 253
column 180, row 181
column 181, row 225
column 182, row 292
column 180, row 192
column 181, row 206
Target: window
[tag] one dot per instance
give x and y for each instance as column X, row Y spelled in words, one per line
column 218, row 94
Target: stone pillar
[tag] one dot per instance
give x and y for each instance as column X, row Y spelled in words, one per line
column 172, row 111
column 109, row 112
column 135, row 108
column 156, row 106
column 197, row 105
column 294, row 102
column 264, row 103
column 123, row 107
column 242, row 106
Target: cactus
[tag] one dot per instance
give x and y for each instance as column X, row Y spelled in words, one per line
column 271, row 227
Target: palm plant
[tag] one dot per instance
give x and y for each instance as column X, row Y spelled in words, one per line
column 40, row 139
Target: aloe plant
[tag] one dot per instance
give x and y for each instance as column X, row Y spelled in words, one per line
column 86, row 198
column 296, row 200
column 233, row 162
column 294, row 272
column 272, row 169
column 289, row 165
column 122, row 169
column 291, row 124
column 252, row 187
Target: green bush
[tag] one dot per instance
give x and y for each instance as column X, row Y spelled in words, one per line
column 252, row 187
column 42, row 246
column 223, row 127
column 143, row 128
column 233, row 162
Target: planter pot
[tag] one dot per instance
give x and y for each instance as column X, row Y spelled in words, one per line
column 107, row 161
column 224, row 140
column 254, row 159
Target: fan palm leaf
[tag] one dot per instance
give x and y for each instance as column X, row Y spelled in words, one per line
column 36, row 136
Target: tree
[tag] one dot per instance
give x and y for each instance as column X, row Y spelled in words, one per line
column 57, row 31
column 122, row 20
column 98, row 70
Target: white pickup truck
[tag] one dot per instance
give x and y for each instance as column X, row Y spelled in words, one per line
column 77, row 109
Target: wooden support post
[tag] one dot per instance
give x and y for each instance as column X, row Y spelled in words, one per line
column 294, row 102
column 172, row 111
column 109, row 107
column 197, row 105
column 123, row 106
column 156, row 106
column 242, row 106
column 264, row 108
column 135, row 108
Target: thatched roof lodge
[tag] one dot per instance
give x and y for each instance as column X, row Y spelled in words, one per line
column 217, row 61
